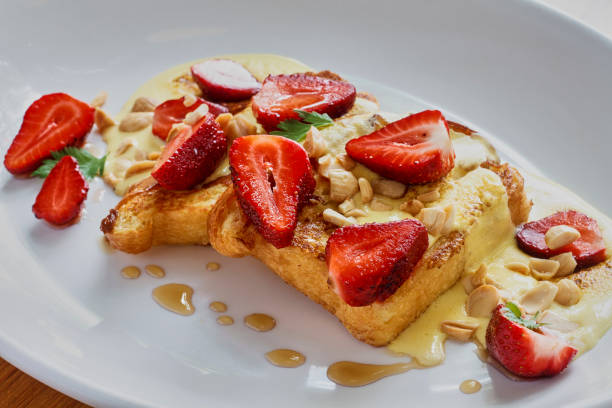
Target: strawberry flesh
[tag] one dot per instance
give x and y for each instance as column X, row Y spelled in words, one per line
column 413, row 150
column 173, row 111
column 525, row 352
column 368, row 263
column 62, row 193
column 588, row 250
column 280, row 95
column 191, row 156
column 51, row 123
column 272, row 179
column 224, row 80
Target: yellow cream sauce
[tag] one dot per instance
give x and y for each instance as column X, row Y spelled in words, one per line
column 424, row 340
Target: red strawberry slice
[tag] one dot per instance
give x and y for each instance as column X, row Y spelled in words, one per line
column 272, row 179
column 413, row 150
column 191, row 156
column 280, row 95
column 62, row 193
column 51, row 123
column 174, row 111
column 588, row 250
column 224, row 80
column 526, row 352
column 368, row 263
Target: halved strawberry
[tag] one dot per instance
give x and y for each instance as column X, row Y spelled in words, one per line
column 62, row 193
column 368, row 263
column 272, row 179
column 51, row 123
column 280, row 95
column 191, row 156
column 224, row 80
column 413, row 150
column 174, row 111
column 516, row 342
column 588, row 250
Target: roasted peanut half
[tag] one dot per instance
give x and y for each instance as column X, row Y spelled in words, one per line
column 314, row 144
column 539, row 298
column 482, row 300
column 103, row 120
column 518, row 267
column 429, row 196
column 389, row 188
column 567, row 264
column 336, row 218
column 543, row 269
column 460, row 330
column 144, row 104
column 342, row 185
column 569, row 293
column 135, row 121
column 365, row 188
column 560, row 236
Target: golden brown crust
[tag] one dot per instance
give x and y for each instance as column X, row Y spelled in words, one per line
column 303, row 265
column 149, row 215
column 518, row 203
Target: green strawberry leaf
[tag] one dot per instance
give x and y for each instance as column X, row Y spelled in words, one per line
column 514, row 314
column 90, row 165
column 296, row 130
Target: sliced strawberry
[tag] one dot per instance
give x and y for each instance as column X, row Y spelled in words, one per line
column 517, row 343
column 174, row 111
column 368, row 263
column 62, row 193
column 51, row 123
column 280, row 95
column 588, row 250
column 191, row 156
column 413, row 150
column 224, row 80
column 272, row 180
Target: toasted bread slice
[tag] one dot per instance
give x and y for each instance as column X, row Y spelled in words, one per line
column 481, row 201
column 482, row 208
column 149, row 215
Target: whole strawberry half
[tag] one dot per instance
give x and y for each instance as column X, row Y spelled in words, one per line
column 588, row 250
column 173, row 111
column 62, row 193
column 51, row 123
column 224, row 80
column 368, row 263
column 517, row 343
column 281, row 95
column 191, row 156
column 413, row 150
column 272, row 179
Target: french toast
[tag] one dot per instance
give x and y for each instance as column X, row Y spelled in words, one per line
column 481, row 203
column 149, row 215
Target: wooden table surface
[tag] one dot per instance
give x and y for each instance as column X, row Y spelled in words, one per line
column 19, row 390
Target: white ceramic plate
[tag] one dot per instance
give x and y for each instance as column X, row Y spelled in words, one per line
column 514, row 69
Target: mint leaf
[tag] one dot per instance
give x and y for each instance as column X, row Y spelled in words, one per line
column 514, row 314
column 292, row 129
column 90, row 165
column 296, row 130
column 316, row 119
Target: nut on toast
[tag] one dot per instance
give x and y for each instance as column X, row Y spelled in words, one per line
column 482, row 201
